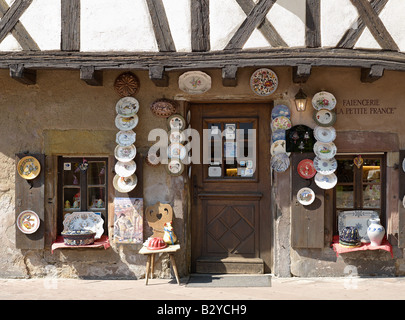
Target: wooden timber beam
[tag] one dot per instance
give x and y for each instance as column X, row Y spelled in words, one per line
column 313, row 23
column 301, row 73
column 70, row 25
column 91, row 76
column 19, row 73
column 181, row 61
column 229, row 76
column 158, row 76
column 372, row 74
column 200, row 26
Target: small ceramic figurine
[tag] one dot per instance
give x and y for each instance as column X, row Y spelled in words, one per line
column 67, row 204
column 169, row 237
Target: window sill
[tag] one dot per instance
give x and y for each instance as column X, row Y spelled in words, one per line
column 103, row 242
column 385, row 245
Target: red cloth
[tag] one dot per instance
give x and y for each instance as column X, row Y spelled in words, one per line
column 385, row 245
column 102, row 242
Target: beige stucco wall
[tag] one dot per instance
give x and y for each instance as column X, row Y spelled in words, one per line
column 63, row 115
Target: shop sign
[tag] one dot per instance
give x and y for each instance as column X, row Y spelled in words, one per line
column 364, row 106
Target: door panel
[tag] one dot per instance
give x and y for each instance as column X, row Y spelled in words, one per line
column 231, row 216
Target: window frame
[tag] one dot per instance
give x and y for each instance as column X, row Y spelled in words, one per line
column 83, row 185
column 358, row 187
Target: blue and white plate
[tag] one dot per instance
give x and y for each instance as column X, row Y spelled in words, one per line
column 278, row 135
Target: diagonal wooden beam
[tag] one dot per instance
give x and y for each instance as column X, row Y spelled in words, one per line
column 161, row 26
column 375, row 25
column 266, row 28
column 19, row 32
column 200, row 25
column 11, row 17
column 354, row 32
column 252, row 21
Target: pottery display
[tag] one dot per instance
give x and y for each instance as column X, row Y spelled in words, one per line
column 127, row 106
column 195, row 82
column 163, row 108
column 327, row 181
column 281, row 110
column 306, row 196
column 349, row 237
column 375, row 232
column 28, row 167
column 306, row 169
column 358, row 219
column 263, row 82
column 125, row 169
column 325, row 166
column 156, row 244
column 323, row 100
column 78, row 238
column 84, row 221
column 125, row 184
column 28, row 222
column 125, row 138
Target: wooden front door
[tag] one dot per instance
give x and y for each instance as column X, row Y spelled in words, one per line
column 231, row 218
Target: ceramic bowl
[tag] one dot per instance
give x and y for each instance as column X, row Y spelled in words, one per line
column 78, row 237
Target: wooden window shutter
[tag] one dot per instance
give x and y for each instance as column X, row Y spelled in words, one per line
column 29, row 195
column 307, row 222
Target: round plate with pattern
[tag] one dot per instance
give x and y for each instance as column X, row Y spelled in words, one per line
column 306, row 169
column 325, row 134
column 306, row 196
column 323, row 100
column 175, row 167
column 176, row 151
column 125, row 184
column 28, row 167
column 280, row 123
column 263, row 82
column 324, row 117
column 325, row 150
column 325, row 181
column 125, row 138
column 176, row 122
column 325, row 166
column 127, row 106
column 280, row 162
column 194, row 82
column 125, row 169
column 126, row 123
column 28, row 222
column 280, row 110
column 125, row 154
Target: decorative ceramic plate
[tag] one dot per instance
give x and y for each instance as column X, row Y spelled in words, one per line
column 28, row 167
column 127, row 106
column 306, row 169
column 323, row 100
column 306, row 196
column 324, row 117
column 263, row 82
column 325, row 166
column 194, row 82
column 125, row 154
column 152, row 159
column 327, row 181
column 163, row 108
column 278, row 147
column 280, row 162
column 126, row 123
column 175, row 167
column 176, row 122
column 358, row 219
column 28, row 222
column 88, row 221
column 325, row 150
column 176, row 136
column 280, row 123
column 125, row 184
column 176, row 151
column 125, row 138
column 126, row 84
column 125, row 169
column 324, row 134
column 280, row 110
column 278, row 134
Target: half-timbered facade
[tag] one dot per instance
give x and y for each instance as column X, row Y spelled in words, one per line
column 59, row 65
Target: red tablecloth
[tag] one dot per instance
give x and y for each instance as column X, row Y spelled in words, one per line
column 385, row 245
column 102, row 242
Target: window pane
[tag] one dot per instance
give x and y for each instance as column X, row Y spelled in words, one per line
column 371, row 171
column 344, row 171
column 96, row 173
column 71, row 173
column 71, row 198
column 96, row 197
column 344, row 197
column 372, row 196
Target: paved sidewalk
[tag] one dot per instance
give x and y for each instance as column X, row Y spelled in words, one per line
column 162, row 289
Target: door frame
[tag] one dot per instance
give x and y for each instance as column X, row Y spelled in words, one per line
column 263, row 164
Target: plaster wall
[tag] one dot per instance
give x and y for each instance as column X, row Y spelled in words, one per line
column 54, row 116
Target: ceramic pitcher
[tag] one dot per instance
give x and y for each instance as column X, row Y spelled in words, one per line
column 375, row 232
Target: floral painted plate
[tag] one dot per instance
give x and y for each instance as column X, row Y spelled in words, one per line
column 263, row 82
column 195, row 82
column 125, row 184
column 125, row 138
column 125, row 169
column 324, row 117
column 175, row 167
column 325, row 181
column 325, row 166
column 306, row 169
column 176, row 151
column 280, row 110
column 278, row 147
column 325, row 150
column 28, row 222
column 125, row 154
column 280, row 123
column 127, row 106
column 176, row 122
column 323, row 100
column 306, row 196
column 126, row 123
column 176, row 136
column 28, row 167
column 324, row 134
column 280, row 162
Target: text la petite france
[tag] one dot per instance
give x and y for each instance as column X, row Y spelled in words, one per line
column 364, row 106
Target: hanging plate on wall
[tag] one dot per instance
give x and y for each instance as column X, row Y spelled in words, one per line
column 306, row 196
column 324, row 134
column 125, row 138
column 306, row 169
column 280, row 110
column 28, row 167
column 28, row 222
column 324, row 117
column 323, row 100
column 280, row 162
column 263, row 82
column 325, row 166
column 325, row 150
column 176, row 122
column 126, row 123
column 175, row 167
column 125, row 184
column 127, row 107
column 195, row 82
column 325, row 181
column 125, row 154
column 125, row 169
column 126, row 84
column 163, row 108
column 280, row 123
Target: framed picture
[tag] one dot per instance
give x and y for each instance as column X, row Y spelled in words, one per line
column 128, row 220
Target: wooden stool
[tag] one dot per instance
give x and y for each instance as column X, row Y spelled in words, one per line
column 150, row 264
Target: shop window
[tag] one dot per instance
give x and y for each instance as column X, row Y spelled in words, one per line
column 82, row 186
column 361, row 184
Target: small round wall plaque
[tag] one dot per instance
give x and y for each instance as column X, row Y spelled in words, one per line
column 126, row 84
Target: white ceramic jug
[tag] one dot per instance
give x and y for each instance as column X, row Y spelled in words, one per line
column 375, row 232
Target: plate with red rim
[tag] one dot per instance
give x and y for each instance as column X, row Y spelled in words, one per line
column 28, row 222
column 306, row 169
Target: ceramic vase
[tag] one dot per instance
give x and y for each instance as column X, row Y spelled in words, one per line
column 375, row 232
